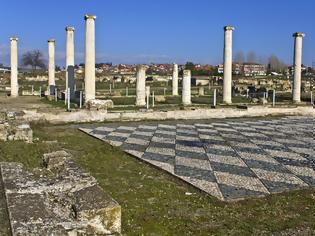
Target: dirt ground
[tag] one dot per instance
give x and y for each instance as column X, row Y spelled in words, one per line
column 25, row 102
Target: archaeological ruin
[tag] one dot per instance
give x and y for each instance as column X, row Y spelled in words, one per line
column 210, row 134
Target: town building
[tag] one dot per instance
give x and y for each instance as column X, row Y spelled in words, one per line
column 252, row 69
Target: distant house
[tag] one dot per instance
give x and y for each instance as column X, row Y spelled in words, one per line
column 4, row 69
column 200, row 80
column 220, row 69
column 251, row 69
column 291, row 69
column 236, row 68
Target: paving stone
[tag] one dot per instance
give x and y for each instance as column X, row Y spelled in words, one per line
column 136, row 147
column 137, row 141
column 163, row 140
column 192, row 155
column 194, row 172
column 189, row 148
column 245, row 182
column 193, row 162
column 159, row 157
column 278, row 177
column 230, row 160
column 232, row 169
column 160, row 150
column 231, row 193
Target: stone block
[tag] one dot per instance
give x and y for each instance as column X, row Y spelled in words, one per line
column 243, row 107
column 3, row 116
column 68, row 203
column 254, row 100
column 160, row 98
column 50, row 98
column 55, row 160
column 4, row 131
column 96, row 104
column 10, row 115
column 11, row 130
column 98, row 209
column 23, row 132
column 116, row 94
column 263, row 101
column 201, row 91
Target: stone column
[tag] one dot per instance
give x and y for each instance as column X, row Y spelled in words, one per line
column 69, row 58
column 186, row 93
column 227, row 76
column 140, row 84
column 298, row 37
column 14, row 67
column 51, row 66
column 89, row 57
column 175, row 80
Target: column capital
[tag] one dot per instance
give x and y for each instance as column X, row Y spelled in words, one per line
column 141, row 67
column 298, row 34
column 69, row 28
column 187, row 73
column 228, row 27
column 51, row 40
column 93, row 17
column 14, row 38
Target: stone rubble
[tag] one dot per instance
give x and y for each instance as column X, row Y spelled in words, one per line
column 12, row 129
column 60, row 199
column 96, row 104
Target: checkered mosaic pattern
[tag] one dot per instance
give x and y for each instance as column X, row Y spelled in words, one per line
column 230, row 160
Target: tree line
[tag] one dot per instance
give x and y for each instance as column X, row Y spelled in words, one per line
column 36, row 60
column 274, row 64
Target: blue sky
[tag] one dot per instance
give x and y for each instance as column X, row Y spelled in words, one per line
column 144, row 31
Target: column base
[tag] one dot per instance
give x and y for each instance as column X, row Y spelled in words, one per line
column 141, row 104
column 88, row 98
column 296, row 101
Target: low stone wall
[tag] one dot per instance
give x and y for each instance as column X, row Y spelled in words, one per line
column 61, row 199
column 101, row 116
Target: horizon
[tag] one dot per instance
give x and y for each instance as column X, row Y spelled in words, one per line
column 171, row 32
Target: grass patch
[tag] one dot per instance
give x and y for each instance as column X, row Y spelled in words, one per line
column 155, row 203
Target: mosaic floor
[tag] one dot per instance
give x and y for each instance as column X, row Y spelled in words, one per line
column 230, row 160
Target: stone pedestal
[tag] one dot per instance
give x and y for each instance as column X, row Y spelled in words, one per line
column 227, row 76
column 14, row 67
column 175, row 80
column 140, row 84
column 297, row 64
column 70, row 59
column 201, row 91
column 70, row 73
column 98, row 105
column 186, row 93
column 89, row 57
